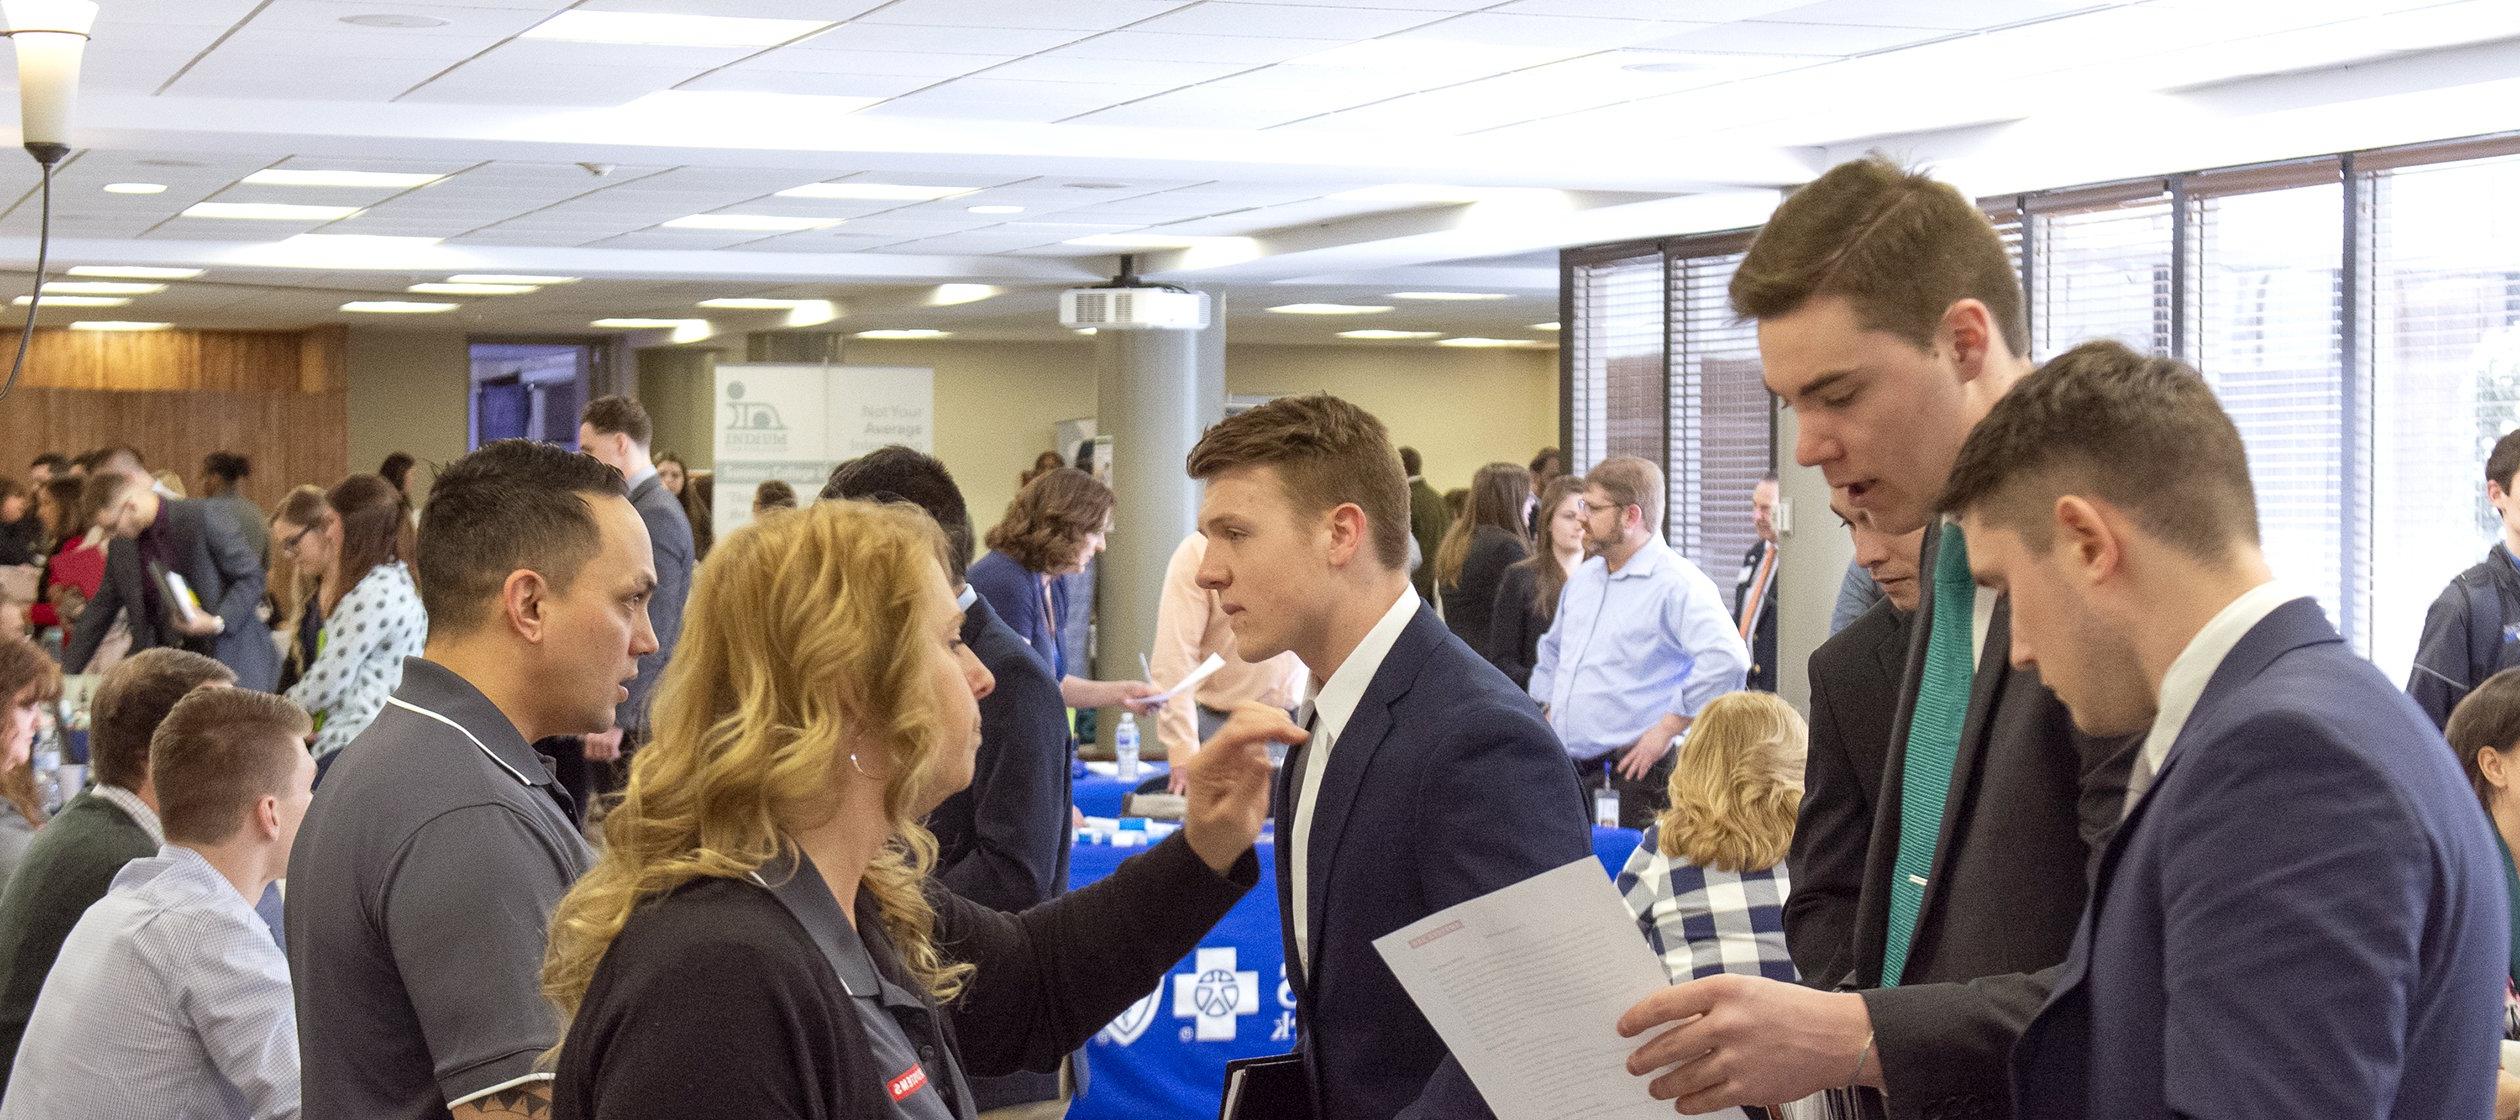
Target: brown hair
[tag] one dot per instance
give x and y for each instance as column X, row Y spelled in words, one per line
column 2488, row 717
column 1327, row 453
column 1543, row 560
column 1631, row 481
column 376, row 530
column 220, row 751
column 2145, row 434
column 71, row 516
column 102, row 490
column 25, row 671
column 289, row 586
column 1496, row 497
column 133, row 699
column 619, row 415
column 1737, row 784
column 1898, row 246
column 1050, row 519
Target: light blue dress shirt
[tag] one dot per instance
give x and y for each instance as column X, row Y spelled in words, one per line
column 1628, row 647
column 170, row 1002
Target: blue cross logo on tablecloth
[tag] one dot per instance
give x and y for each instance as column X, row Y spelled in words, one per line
column 1216, row 993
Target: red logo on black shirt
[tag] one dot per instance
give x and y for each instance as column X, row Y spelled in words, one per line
column 907, row 1083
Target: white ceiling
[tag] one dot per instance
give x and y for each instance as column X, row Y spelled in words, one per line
column 1242, row 121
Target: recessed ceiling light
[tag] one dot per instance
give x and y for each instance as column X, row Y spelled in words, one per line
column 751, row 223
column 1450, row 297
column 397, row 307
column 134, row 272
column 135, row 188
column 666, row 29
column 633, row 323
column 875, row 192
column 1088, row 330
column 101, row 288
column 116, row 325
column 454, row 289
column 270, row 211
column 949, row 295
column 995, row 210
column 293, row 177
column 915, row 332
column 1474, row 342
column 1389, row 334
column 1329, row 308
column 754, row 303
column 1547, row 326
column 51, row 300
column 509, row 278
column 396, row 21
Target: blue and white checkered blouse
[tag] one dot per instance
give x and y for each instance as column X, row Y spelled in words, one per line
column 1703, row 922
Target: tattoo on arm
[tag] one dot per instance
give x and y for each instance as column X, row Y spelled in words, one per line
column 530, row 1101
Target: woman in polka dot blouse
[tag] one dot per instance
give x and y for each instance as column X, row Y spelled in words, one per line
column 371, row 610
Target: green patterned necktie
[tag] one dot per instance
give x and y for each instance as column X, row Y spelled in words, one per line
column 1933, row 745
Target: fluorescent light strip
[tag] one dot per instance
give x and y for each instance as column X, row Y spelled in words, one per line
column 754, row 303
column 397, row 307
column 1330, row 308
column 453, row 289
column 117, row 325
column 751, row 223
column 509, row 278
column 949, row 295
column 875, row 192
column 1389, row 334
column 1146, row 241
column 102, row 288
column 666, row 29
column 135, row 188
column 994, row 209
column 1548, row 326
column 383, row 180
column 270, row 211
column 75, row 301
column 908, row 333
column 1476, row 343
column 134, row 272
column 1450, row 297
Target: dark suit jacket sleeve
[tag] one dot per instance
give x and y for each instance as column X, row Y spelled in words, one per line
column 1046, row 979
column 97, row 617
column 1509, row 768
column 2441, row 676
column 1016, row 808
column 2300, row 869
column 240, row 574
column 1831, row 834
column 1010, row 593
column 669, row 547
column 1509, row 626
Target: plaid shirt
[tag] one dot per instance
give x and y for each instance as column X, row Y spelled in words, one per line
column 1703, row 922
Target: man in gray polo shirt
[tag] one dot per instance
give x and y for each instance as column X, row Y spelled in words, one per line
column 424, row 876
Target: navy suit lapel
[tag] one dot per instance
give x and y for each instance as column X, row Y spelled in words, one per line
column 1350, row 755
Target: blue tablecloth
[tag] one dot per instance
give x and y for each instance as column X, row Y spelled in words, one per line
column 1164, row 1058
column 1100, row 795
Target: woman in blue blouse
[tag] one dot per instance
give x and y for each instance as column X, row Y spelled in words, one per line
column 1055, row 525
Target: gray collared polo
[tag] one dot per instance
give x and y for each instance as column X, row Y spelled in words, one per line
column 420, row 890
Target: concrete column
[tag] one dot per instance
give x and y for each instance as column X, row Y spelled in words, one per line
column 1154, row 386
column 1810, row 567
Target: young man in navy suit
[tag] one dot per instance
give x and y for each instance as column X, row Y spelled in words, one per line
column 2301, row 914
column 1429, row 779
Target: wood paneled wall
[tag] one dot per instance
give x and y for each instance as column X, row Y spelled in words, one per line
column 278, row 397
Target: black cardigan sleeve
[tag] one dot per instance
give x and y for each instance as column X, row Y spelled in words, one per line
column 1046, row 979
column 1514, row 631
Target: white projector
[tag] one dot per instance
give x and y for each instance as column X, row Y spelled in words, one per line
column 1133, row 309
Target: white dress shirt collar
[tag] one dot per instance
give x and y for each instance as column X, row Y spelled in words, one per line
column 1336, row 698
column 969, row 596
column 2184, row 684
column 646, row 470
column 138, row 810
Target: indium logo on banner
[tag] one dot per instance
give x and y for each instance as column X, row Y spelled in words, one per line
column 752, row 425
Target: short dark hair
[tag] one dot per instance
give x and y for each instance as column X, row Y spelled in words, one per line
column 227, row 466
column 133, row 699
column 103, row 488
column 2143, row 433
column 1550, row 462
column 516, row 504
column 53, row 459
column 1327, row 453
column 2488, row 717
column 774, row 494
column 1411, row 462
column 1899, row 246
column 120, row 458
column 396, row 469
column 217, row 754
column 897, row 473
column 2505, row 461
column 619, row 415
column 1051, row 517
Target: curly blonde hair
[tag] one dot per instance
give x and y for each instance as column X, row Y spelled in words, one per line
column 1737, row 784
column 796, row 639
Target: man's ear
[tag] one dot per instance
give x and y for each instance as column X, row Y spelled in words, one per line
column 2094, row 541
column 1967, row 332
column 1348, row 532
column 524, row 602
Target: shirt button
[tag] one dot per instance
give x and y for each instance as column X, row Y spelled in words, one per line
column 927, row 1053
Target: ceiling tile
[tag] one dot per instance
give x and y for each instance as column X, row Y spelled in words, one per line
column 1290, row 21
column 1568, row 32
column 1760, row 37
column 1952, row 15
column 744, row 79
column 863, row 36
column 539, row 53
column 1057, row 68
column 832, row 10
column 916, row 64
column 1074, row 15
column 1150, row 46
column 345, row 41
column 1705, row 11
column 462, row 20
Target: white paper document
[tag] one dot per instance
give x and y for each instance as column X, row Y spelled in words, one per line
column 1526, row 986
column 1205, row 670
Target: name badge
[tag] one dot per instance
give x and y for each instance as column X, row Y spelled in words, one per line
column 907, row 1083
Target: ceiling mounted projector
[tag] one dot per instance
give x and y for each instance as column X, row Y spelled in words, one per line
column 1130, row 304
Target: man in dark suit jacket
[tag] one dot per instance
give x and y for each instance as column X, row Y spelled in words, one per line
column 77, row 854
column 1855, row 677
column 2302, row 912
column 1003, row 841
column 1428, row 779
column 1755, row 589
column 617, row 431
column 1429, row 520
column 156, row 537
column 1890, row 339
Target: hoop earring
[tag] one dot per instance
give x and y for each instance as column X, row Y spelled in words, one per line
column 853, row 765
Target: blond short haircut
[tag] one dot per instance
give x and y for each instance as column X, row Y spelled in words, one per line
column 1737, row 785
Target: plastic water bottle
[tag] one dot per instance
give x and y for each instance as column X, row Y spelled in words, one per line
column 47, row 768
column 1606, row 802
column 1124, row 741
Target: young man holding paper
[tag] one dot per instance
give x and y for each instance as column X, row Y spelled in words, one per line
column 1428, row 779
column 182, row 574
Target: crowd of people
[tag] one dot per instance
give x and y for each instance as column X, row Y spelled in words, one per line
column 582, row 812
